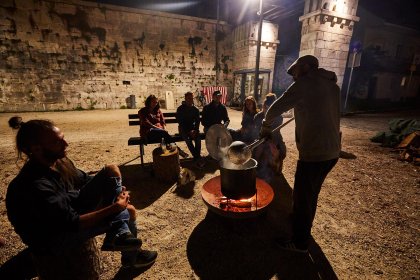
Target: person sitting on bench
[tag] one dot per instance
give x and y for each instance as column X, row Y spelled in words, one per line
column 214, row 112
column 152, row 123
column 54, row 206
column 188, row 117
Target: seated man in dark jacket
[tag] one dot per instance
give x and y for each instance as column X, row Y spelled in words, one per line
column 214, row 112
column 54, row 206
column 188, row 117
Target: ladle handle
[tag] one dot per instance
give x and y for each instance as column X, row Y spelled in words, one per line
column 283, row 125
column 258, row 142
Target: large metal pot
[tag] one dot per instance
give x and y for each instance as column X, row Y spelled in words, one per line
column 238, row 182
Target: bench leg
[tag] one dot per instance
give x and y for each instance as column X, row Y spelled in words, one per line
column 141, row 155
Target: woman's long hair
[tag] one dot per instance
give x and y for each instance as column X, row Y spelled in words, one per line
column 254, row 106
column 148, row 102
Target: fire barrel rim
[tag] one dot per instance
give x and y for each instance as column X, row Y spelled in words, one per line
column 212, row 195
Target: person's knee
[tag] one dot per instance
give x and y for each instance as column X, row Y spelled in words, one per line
column 111, row 170
column 132, row 212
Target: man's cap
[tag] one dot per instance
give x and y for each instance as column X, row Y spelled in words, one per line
column 306, row 59
column 217, row 93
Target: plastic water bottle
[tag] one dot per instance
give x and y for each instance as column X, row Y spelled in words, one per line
column 163, row 145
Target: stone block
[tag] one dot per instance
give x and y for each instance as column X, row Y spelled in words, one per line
column 320, row 44
column 343, row 55
column 344, row 47
column 8, row 3
column 62, row 8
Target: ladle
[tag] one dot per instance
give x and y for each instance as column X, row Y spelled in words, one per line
column 239, row 153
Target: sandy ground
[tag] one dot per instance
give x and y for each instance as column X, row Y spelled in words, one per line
column 366, row 227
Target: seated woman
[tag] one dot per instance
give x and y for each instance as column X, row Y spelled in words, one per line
column 248, row 132
column 270, row 154
column 152, row 123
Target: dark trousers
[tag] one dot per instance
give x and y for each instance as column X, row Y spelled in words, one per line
column 156, row 135
column 195, row 149
column 308, row 181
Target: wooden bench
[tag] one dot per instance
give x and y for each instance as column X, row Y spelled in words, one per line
column 170, row 118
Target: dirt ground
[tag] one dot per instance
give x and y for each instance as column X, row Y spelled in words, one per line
column 366, row 226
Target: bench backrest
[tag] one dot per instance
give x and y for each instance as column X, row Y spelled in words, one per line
column 170, row 117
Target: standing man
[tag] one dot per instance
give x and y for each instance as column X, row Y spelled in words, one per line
column 315, row 98
column 54, row 206
column 188, row 117
column 215, row 112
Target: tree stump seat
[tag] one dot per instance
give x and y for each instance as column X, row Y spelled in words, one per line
column 80, row 263
column 166, row 165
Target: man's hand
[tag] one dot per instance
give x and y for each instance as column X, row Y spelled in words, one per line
column 123, row 199
column 266, row 130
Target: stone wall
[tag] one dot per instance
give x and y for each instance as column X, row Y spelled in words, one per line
column 327, row 28
column 245, row 40
column 61, row 56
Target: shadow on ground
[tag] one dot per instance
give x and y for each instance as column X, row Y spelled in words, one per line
column 225, row 248
column 146, row 188
column 129, row 274
column 19, row 267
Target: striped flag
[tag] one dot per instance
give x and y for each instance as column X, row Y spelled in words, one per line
column 208, row 92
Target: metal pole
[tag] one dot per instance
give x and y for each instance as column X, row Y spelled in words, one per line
column 257, row 62
column 351, row 74
column 217, row 45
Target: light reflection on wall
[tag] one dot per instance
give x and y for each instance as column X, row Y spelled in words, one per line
column 269, row 32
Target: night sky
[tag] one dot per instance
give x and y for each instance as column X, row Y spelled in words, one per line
column 403, row 12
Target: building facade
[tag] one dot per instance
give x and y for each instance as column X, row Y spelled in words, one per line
column 389, row 66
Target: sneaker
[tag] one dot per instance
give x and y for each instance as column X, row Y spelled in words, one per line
column 291, row 246
column 123, row 242
column 182, row 153
column 144, row 258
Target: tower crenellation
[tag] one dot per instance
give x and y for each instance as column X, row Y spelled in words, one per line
column 327, row 28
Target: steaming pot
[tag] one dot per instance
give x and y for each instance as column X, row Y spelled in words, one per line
column 238, row 181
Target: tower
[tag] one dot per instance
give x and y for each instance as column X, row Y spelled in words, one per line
column 327, row 28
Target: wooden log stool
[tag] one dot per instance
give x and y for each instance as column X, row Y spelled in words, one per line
column 81, row 262
column 166, row 165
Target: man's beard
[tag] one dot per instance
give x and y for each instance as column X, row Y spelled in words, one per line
column 53, row 156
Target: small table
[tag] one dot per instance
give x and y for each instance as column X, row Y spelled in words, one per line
column 166, row 165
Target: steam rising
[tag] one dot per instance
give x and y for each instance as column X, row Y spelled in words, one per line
column 227, row 164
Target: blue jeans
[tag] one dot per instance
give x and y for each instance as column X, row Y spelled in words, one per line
column 99, row 192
